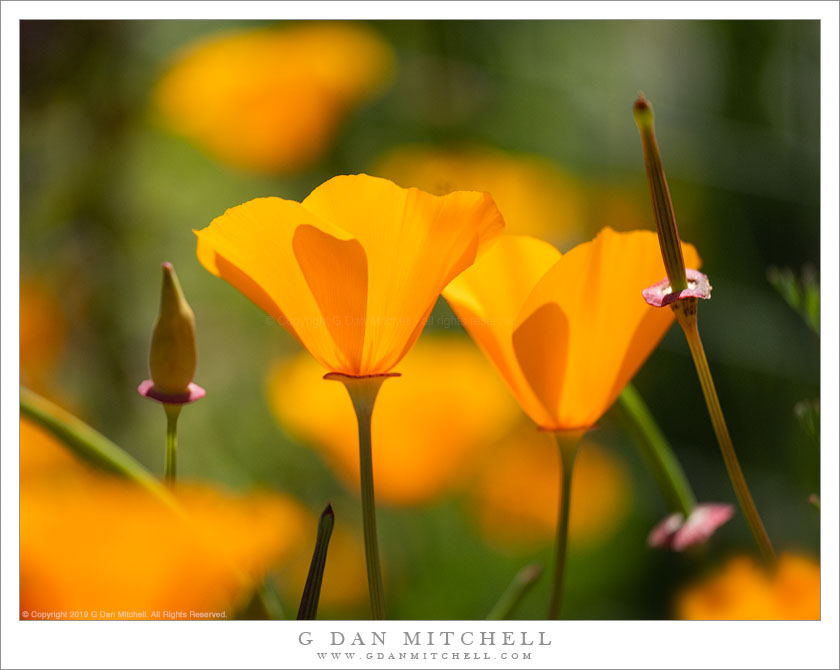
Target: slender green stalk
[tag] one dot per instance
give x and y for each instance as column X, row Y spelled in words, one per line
column 88, row 443
column 516, row 590
column 363, row 392
column 264, row 604
column 657, row 453
column 270, row 600
column 374, row 569
column 170, row 466
column 312, row 590
column 686, row 311
column 567, row 444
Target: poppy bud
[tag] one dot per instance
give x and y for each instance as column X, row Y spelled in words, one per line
column 660, row 196
column 172, row 357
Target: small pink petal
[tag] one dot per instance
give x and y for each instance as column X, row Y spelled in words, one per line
column 194, row 392
column 701, row 525
column 659, row 294
column 660, row 536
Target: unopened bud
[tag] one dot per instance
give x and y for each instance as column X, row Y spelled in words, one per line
column 660, row 196
column 172, row 357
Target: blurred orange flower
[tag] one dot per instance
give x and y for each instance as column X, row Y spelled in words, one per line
column 42, row 455
column 744, row 590
column 421, row 446
column 42, row 333
column 516, row 492
column 96, row 544
column 271, row 99
column 568, row 331
column 535, row 196
column 354, row 270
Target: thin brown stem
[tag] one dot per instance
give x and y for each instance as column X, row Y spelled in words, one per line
column 686, row 311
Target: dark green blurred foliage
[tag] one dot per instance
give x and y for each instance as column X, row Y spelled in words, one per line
column 107, row 195
column 808, row 413
column 801, row 293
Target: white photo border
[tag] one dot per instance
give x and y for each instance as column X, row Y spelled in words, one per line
column 580, row 644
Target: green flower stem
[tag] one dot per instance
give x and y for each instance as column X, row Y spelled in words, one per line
column 363, row 392
column 657, row 453
column 89, row 444
column 170, row 467
column 660, row 197
column 312, row 590
column 567, row 444
column 516, row 590
column 686, row 311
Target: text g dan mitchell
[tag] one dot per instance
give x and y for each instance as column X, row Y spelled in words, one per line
column 429, row 638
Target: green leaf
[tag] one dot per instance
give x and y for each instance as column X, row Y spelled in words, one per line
column 514, row 593
column 808, row 413
column 312, row 590
column 801, row 293
column 264, row 604
column 89, row 444
column 656, row 452
column 811, row 290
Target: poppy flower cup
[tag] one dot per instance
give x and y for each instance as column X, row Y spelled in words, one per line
column 566, row 331
column 353, row 272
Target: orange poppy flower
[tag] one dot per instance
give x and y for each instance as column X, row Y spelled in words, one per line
column 99, row 546
column 535, row 196
column 517, row 490
column 744, row 590
column 272, row 99
column 354, row 270
column 567, row 331
column 413, row 465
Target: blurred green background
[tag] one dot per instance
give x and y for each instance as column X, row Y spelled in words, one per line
column 107, row 194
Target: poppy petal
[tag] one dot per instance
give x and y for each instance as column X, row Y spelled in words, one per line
column 538, row 344
column 336, row 273
column 415, row 243
column 611, row 328
column 250, row 246
column 488, row 296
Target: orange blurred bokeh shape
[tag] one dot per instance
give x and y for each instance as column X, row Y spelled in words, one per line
column 272, row 99
column 742, row 589
column 100, row 546
column 429, row 425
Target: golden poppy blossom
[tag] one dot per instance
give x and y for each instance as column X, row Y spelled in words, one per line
column 744, row 590
column 421, row 447
column 94, row 543
column 272, row 99
column 566, row 331
column 516, row 492
column 535, row 196
column 354, row 270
